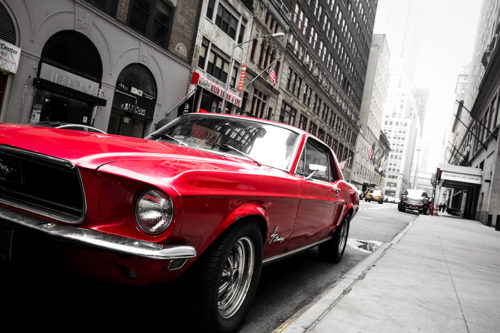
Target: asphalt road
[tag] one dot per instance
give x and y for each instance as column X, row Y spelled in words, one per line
column 37, row 301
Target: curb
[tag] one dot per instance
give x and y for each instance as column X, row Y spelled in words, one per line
column 310, row 315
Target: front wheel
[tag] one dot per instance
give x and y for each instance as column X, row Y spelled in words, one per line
column 333, row 250
column 226, row 279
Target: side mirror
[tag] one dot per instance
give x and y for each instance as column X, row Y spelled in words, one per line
column 315, row 168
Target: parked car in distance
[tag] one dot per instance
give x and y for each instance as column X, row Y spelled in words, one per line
column 415, row 200
column 207, row 198
column 389, row 199
column 375, row 195
column 76, row 127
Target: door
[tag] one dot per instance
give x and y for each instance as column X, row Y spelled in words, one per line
column 320, row 204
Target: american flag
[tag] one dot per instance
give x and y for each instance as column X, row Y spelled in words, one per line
column 272, row 75
column 370, row 152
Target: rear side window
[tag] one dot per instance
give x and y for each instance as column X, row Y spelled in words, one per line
column 313, row 155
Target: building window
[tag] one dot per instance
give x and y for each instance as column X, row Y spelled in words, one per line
column 107, row 6
column 258, row 107
column 203, row 53
column 303, row 122
column 210, row 9
column 152, row 18
column 321, row 134
column 217, row 66
column 312, row 128
column 243, row 26
column 226, row 21
column 288, row 114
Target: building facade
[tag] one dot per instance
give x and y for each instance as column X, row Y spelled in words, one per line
column 220, row 52
column 112, row 64
column 324, row 70
column 371, row 157
column 475, row 138
column 264, row 62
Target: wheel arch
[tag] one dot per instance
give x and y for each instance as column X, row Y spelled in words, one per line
column 246, row 213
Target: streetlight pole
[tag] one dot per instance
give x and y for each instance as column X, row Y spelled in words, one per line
column 416, row 168
column 231, row 62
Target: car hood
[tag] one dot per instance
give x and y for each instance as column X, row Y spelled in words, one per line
column 94, row 150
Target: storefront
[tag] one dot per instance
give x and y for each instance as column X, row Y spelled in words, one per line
column 134, row 102
column 208, row 97
column 68, row 80
column 9, row 56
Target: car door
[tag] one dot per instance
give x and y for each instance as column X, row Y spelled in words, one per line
column 320, row 203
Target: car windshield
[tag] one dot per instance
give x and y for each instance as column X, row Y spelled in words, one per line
column 376, row 192
column 260, row 142
column 416, row 194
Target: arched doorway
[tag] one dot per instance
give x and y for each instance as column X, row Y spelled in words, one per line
column 134, row 101
column 9, row 55
column 68, row 81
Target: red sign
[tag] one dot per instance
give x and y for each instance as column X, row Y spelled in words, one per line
column 242, row 77
column 216, row 89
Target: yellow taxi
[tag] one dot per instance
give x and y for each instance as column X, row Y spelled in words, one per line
column 374, row 195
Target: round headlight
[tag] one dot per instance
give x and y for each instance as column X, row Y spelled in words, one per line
column 154, row 211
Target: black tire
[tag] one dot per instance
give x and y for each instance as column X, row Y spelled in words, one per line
column 333, row 250
column 222, row 310
column 401, row 208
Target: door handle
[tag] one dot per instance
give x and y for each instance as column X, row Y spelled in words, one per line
column 336, row 189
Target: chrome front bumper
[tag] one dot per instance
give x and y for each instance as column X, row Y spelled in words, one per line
column 99, row 239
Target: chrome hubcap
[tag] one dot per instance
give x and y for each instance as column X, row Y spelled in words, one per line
column 236, row 277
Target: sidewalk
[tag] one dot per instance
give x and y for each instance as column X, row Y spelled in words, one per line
column 441, row 274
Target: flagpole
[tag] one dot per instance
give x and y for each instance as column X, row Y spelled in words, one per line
column 265, row 70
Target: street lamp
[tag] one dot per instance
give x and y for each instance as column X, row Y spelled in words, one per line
column 231, row 61
column 416, row 168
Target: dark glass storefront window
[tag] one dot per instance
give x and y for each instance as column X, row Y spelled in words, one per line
column 210, row 102
column 134, row 102
column 123, row 124
column 50, row 106
column 68, row 80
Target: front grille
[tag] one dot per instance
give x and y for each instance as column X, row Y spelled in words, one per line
column 41, row 184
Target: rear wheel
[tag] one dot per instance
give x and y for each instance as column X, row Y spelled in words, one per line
column 226, row 279
column 333, row 250
column 401, row 208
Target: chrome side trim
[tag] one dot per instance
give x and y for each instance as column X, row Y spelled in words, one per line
column 295, row 251
column 99, row 239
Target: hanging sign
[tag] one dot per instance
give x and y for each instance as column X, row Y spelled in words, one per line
column 9, row 57
column 242, row 77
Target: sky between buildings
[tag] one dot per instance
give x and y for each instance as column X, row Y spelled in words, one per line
column 443, row 41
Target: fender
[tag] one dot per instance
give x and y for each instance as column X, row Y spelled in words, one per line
column 240, row 212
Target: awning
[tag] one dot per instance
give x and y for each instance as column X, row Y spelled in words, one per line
column 57, row 88
column 459, row 177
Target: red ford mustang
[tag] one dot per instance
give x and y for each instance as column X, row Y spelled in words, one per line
column 208, row 196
